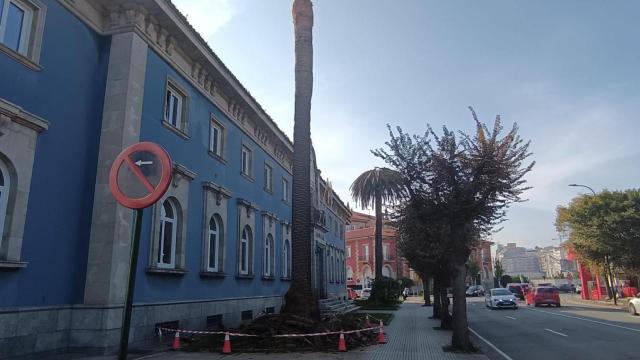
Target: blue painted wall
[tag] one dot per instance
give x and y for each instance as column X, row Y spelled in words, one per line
column 193, row 154
column 68, row 92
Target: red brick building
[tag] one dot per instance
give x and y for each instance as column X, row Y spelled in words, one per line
column 360, row 252
column 481, row 255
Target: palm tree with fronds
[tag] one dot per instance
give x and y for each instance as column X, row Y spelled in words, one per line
column 377, row 187
column 299, row 300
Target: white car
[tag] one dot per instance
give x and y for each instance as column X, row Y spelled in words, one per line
column 634, row 305
column 500, row 298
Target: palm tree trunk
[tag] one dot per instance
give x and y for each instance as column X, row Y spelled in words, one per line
column 460, row 338
column 299, row 299
column 378, row 238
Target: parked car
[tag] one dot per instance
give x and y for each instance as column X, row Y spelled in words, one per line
column 352, row 294
column 500, row 298
column 565, row 288
column 475, row 290
column 517, row 291
column 634, row 305
column 546, row 295
column 364, row 295
column 578, row 288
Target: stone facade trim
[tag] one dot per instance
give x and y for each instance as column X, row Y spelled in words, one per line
column 168, row 32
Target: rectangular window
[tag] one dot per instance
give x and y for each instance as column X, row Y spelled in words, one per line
column 366, row 252
column 268, row 178
column 175, row 107
column 15, row 25
column 385, row 251
column 246, row 315
column 247, row 161
column 216, row 138
column 348, row 251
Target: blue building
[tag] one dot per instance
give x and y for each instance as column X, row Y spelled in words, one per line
column 79, row 82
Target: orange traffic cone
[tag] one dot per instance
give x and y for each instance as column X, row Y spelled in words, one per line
column 381, row 339
column 176, row 341
column 226, row 347
column 342, row 345
column 367, row 323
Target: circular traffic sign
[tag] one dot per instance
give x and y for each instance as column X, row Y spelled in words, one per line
column 140, row 175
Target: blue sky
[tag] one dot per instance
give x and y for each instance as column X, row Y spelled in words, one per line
column 568, row 72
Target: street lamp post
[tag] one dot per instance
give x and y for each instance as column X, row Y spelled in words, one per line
column 606, row 257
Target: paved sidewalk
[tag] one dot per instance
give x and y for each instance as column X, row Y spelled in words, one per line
column 410, row 336
column 577, row 300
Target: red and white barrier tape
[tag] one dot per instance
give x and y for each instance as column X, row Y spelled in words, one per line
column 199, row 332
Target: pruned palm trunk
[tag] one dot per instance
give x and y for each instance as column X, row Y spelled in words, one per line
column 378, row 237
column 300, row 300
column 460, row 338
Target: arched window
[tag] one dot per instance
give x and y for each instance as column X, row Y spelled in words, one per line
column 244, row 266
column 349, row 273
column 286, row 259
column 386, row 271
column 269, row 256
column 167, row 240
column 5, row 187
column 215, row 244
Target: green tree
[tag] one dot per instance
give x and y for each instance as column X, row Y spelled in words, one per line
column 505, row 279
column 473, row 270
column 377, row 187
column 471, row 180
column 299, row 299
column 604, row 231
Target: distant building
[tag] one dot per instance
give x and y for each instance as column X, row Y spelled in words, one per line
column 481, row 254
column 519, row 261
column 360, row 251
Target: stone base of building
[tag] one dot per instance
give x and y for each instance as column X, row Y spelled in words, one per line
column 28, row 332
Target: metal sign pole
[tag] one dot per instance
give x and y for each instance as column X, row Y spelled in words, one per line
column 126, row 313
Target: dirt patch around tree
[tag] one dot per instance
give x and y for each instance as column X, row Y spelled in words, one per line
column 265, row 327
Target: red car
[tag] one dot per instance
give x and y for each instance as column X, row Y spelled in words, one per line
column 352, row 294
column 546, row 295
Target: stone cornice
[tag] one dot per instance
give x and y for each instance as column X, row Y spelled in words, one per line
column 211, row 186
column 168, row 32
column 16, row 114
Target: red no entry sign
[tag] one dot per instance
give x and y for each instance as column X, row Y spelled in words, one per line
column 140, row 175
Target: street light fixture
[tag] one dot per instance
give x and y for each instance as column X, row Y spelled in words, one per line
column 584, row 186
column 606, row 258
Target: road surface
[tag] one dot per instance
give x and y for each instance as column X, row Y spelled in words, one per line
column 546, row 333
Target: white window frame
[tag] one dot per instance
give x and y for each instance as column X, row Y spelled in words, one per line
column 25, row 31
column 216, row 148
column 385, row 252
column 366, row 252
column 348, row 251
column 349, row 277
column 174, row 228
column 268, row 178
column 246, row 160
column 286, row 258
column 180, row 94
column 216, row 245
column 245, row 240
column 285, row 190
column 5, row 190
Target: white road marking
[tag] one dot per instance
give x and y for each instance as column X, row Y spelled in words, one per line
column 589, row 320
column 510, row 317
column 490, row 344
column 559, row 333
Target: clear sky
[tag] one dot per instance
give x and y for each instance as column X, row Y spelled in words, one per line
column 568, row 72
